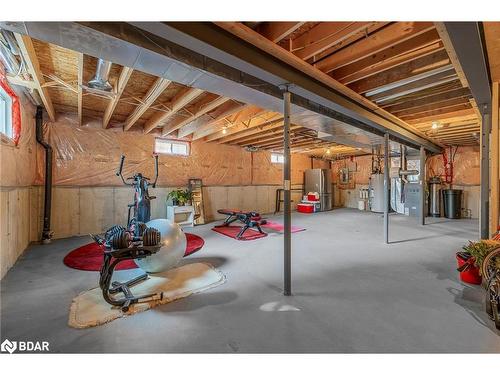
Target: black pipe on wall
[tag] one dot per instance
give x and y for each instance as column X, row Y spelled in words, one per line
column 46, row 233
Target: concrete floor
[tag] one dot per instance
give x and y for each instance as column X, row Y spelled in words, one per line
column 351, row 293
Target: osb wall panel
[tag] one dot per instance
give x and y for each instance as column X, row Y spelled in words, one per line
column 83, row 210
column 15, row 206
column 89, row 156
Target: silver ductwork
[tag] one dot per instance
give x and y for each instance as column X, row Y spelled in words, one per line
column 100, row 80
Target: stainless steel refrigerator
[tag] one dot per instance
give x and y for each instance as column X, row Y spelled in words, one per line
column 320, row 181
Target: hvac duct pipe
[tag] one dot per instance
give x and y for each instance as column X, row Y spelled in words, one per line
column 422, row 185
column 387, row 183
column 46, row 233
column 485, row 173
column 287, row 290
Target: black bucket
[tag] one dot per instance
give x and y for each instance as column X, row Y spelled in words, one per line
column 452, row 200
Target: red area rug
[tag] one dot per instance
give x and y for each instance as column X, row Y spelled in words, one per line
column 89, row 257
column 273, row 225
column 233, row 230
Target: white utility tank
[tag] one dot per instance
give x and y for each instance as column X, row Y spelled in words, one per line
column 377, row 192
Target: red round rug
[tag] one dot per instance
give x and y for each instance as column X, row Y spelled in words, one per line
column 89, row 257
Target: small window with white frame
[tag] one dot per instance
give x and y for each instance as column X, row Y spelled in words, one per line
column 171, row 147
column 277, row 158
column 5, row 113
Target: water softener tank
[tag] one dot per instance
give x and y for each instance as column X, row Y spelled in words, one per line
column 377, row 192
column 435, row 197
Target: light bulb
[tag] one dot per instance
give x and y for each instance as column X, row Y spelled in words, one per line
column 224, row 130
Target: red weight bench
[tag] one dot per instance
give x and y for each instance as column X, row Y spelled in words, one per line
column 249, row 219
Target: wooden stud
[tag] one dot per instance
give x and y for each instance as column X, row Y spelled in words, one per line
column 28, row 51
column 79, row 88
column 255, row 127
column 147, row 101
column 118, row 90
column 177, row 104
column 494, row 157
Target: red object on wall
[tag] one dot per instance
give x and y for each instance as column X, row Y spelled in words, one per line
column 16, row 109
column 470, row 274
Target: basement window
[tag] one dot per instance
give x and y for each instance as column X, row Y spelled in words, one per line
column 5, row 113
column 171, row 147
column 277, row 158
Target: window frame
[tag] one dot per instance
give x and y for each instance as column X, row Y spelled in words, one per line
column 172, row 142
column 279, row 158
column 6, row 111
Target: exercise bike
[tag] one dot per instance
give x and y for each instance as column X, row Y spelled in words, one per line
column 135, row 241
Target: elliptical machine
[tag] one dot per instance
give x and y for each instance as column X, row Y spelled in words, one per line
column 136, row 241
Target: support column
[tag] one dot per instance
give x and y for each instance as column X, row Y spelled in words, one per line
column 287, row 290
column 387, row 184
column 495, row 158
column 422, row 185
column 485, row 175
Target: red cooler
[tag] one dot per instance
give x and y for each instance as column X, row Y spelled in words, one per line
column 305, row 208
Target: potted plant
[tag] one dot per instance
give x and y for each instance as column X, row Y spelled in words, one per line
column 180, row 197
column 470, row 260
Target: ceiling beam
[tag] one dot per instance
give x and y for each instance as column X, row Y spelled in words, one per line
column 118, row 90
column 432, row 106
column 378, row 41
column 185, row 127
column 79, row 87
column 400, row 53
column 276, row 133
column 176, row 105
column 466, row 45
column 32, row 65
column 277, row 31
column 325, row 35
column 147, row 101
column 17, row 80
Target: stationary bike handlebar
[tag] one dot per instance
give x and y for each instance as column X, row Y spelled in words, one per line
column 120, row 169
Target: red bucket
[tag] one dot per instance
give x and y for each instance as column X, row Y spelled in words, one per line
column 470, row 274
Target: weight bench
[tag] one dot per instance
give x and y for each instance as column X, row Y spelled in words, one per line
column 249, row 219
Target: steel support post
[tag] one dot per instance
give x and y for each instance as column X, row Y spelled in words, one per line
column 287, row 291
column 387, row 183
column 422, row 185
column 485, row 173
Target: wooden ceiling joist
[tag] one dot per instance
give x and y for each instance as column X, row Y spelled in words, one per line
column 413, row 68
column 277, row 31
column 217, row 122
column 437, row 98
column 404, row 52
column 32, row 65
column 257, row 127
column 385, row 38
column 433, row 106
column 250, row 119
column 147, row 101
column 118, row 91
column 183, row 126
column 324, row 35
column 276, row 134
column 177, row 104
column 438, row 113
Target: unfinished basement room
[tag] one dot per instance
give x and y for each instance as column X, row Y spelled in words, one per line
column 250, row 187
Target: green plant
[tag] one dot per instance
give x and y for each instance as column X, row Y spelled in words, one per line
column 479, row 250
column 180, row 196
